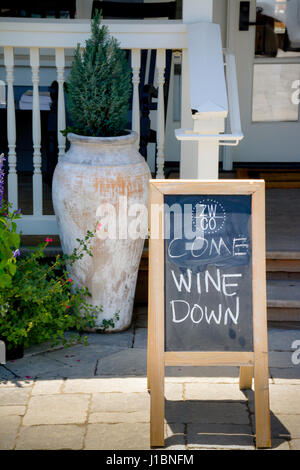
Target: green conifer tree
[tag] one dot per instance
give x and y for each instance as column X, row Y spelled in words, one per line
column 99, row 86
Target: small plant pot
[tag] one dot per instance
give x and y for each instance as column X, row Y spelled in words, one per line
column 16, row 352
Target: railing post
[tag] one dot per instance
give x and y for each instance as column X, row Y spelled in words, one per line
column 160, row 65
column 204, row 102
column 12, row 179
column 136, row 65
column 61, row 112
column 36, row 134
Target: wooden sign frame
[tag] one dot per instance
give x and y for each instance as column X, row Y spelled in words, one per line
column 253, row 361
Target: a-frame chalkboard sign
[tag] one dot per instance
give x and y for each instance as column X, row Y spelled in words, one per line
column 207, row 287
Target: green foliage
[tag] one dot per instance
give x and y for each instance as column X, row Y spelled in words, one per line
column 99, row 86
column 42, row 303
column 9, row 244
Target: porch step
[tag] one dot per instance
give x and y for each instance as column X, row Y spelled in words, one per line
column 285, row 263
column 274, row 177
column 283, row 300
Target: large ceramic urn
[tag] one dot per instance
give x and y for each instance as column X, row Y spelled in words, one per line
column 103, row 179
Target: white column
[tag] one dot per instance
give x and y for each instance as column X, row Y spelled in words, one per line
column 197, row 10
column 188, row 150
column 36, row 134
column 136, row 65
column 160, row 135
column 61, row 112
column 12, row 180
column 208, row 150
column 192, row 11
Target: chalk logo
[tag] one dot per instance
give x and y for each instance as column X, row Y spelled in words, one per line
column 209, row 216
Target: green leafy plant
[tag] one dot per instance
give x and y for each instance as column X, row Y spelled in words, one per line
column 99, row 86
column 9, row 238
column 42, row 302
column 38, row 300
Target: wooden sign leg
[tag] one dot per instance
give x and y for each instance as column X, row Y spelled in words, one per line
column 262, row 406
column 157, row 411
column 149, row 351
column 246, row 374
column 261, row 369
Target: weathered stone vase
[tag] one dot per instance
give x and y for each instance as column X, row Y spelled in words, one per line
column 94, row 172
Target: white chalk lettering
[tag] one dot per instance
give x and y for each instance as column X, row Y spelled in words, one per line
column 181, row 311
column 208, row 277
column 196, row 306
column 225, row 286
column 171, row 249
column 174, row 318
column 235, row 317
column 240, row 249
column 218, row 247
column 203, row 246
column 212, row 315
column 187, row 284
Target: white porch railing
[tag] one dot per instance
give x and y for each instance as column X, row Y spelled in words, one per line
column 63, row 35
column 39, row 36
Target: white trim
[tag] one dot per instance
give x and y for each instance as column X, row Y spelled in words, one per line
column 146, row 34
column 43, row 225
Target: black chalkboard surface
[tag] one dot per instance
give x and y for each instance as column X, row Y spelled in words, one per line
column 208, row 273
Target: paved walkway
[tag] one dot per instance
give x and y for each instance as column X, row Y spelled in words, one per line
column 95, row 397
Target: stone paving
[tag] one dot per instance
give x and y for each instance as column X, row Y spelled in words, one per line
column 95, row 397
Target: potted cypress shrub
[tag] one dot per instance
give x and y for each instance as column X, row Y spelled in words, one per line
column 101, row 169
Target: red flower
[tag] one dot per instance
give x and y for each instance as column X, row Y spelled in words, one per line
column 70, row 280
column 49, row 240
column 67, row 306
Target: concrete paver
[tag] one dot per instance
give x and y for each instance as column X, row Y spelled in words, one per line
column 96, row 397
column 111, row 384
column 116, row 402
column 284, row 399
column 285, row 375
column 47, row 387
column 174, row 391
column 295, row 444
column 204, row 374
column 12, row 410
column 175, row 438
column 128, row 362
column 195, row 411
column 221, row 436
column 56, row 409
column 123, row 436
column 33, row 367
column 279, row 444
column 140, row 338
column 8, row 431
column 14, row 396
column 58, row 437
column 285, row 426
column 222, row 392
column 120, row 417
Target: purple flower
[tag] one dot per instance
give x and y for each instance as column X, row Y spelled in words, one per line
column 16, row 253
column 2, row 160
